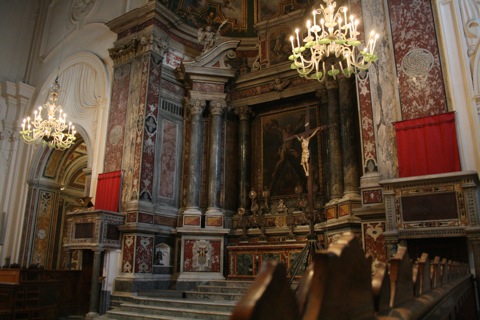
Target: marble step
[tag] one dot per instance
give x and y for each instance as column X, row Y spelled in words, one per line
column 124, row 315
column 163, row 312
column 230, row 283
column 215, row 296
column 221, row 289
column 221, row 306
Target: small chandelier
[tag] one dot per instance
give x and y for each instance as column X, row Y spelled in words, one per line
column 335, row 35
column 48, row 124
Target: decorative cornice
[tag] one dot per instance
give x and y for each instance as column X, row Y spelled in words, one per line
column 124, row 52
column 213, row 63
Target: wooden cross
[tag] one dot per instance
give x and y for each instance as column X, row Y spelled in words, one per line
column 306, row 163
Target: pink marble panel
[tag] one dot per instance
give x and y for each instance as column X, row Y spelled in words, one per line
column 117, row 116
column 168, row 159
column 369, row 151
column 207, row 87
column 413, row 28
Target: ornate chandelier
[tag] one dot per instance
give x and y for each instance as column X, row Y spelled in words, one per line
column 335, row 36
column 48, row 124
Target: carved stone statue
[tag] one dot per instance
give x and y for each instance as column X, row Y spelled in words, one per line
column 208, row 37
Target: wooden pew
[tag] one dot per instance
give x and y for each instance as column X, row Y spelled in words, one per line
column 339, row 284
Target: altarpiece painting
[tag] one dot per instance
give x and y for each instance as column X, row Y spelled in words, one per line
column 282, row 172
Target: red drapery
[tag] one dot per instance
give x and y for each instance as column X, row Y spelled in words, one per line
column 427, row 145
column 108, row 191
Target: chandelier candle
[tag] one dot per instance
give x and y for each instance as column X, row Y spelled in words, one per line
column 51, row 131
column 335, row 36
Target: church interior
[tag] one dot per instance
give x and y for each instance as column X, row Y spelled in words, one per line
column 208, row 137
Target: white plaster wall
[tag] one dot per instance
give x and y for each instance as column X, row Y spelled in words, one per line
column 31, row 56
column 459, row 84
column 17, row 21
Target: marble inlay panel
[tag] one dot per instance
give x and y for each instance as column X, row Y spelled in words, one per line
column 133, row 133
column 145, row 218
column 214, row 221
column 144, row 254
column 128, row 253
column 420, row 79
column 244, row 264
column 372, row 196
column 117, row 117
column 202, row 256
column 191, row 220
column 373, row 240
column 168, row 159
column 152, row 89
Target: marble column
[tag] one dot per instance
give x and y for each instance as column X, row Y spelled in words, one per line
column 192, row 214
column 335, row 179
column 349, row 138
column 215, row 167
column 95, row 288
column 243, row 155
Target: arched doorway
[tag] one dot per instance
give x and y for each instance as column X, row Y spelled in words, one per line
column 57, row 181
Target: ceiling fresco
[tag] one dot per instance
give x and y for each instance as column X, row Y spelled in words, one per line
column 241, row 14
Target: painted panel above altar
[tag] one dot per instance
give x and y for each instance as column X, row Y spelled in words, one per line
column 240, row 14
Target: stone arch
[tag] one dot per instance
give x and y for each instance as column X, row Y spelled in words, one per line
column 56, row 181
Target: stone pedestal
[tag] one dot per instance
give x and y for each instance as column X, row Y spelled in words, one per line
column 202, row 257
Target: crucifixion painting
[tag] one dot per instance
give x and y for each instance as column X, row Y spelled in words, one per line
column 285, row 156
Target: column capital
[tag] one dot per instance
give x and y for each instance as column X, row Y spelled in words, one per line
column 196, row 106
column 244, row 112
column 217, row 107
column 321, row 93
column 331, row 83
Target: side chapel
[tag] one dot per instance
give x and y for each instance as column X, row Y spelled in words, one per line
column 188, row 163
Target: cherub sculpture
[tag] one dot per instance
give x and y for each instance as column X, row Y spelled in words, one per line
column 208, row 38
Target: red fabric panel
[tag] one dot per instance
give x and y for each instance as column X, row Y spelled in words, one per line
column 427, row 145
column 108, row 191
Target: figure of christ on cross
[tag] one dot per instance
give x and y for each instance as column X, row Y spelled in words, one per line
column 305, row 151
